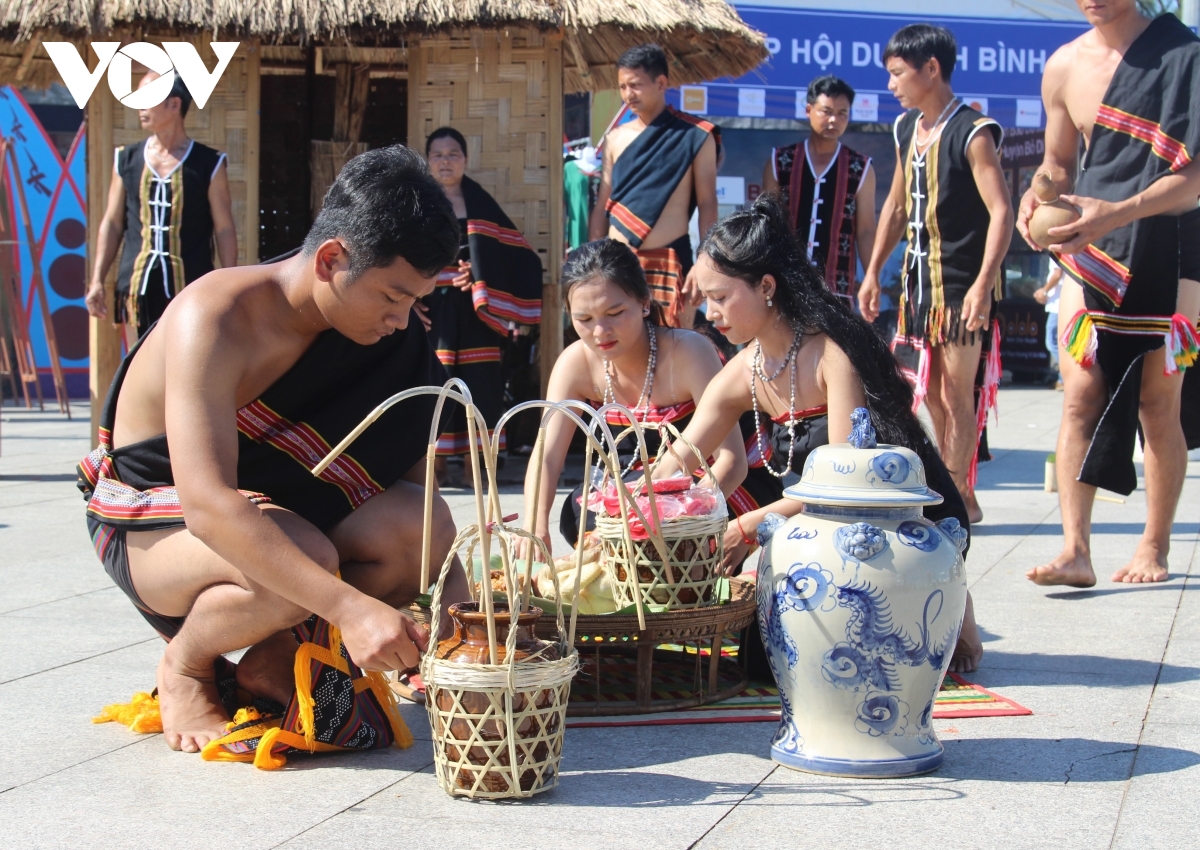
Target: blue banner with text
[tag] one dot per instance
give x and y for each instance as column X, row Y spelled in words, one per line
column 999, row 67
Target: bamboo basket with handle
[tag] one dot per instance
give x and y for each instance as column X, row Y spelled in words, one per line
column 677, row 565
column 497, row 725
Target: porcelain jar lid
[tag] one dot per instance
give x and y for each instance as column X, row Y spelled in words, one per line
column 862, row 473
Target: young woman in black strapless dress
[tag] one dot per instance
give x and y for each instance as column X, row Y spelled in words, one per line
column 808, row 362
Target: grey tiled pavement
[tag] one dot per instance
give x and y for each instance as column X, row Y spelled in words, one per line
column 1110, row 758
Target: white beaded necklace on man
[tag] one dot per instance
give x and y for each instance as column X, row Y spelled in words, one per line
column 642, row 407
column 756, row 371
column 934, row 132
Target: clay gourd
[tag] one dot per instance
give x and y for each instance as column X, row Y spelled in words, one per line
column 1050, row 212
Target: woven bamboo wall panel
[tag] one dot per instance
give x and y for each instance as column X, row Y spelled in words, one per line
column 494, row 88
column 221, row 124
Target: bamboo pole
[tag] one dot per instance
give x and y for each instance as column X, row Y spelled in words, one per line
column 427, row 525
column 485, row 588
column 104, row 338
column 253, row 147
column 536, row 460
column 551, row 334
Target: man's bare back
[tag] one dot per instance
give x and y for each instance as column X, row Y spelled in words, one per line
column 673, row 222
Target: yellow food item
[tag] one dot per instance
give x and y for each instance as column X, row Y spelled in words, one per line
column 596, row 592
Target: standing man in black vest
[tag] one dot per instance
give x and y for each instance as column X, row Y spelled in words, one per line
column 950, row 200
column 169, row 198
column 821, row 182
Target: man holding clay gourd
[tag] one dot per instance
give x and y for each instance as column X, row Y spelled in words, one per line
column 1128, row 241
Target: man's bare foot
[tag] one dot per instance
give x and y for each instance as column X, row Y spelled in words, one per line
column 974, row 511
column 268, row 668
column 969, row 650
column 191, row 710
column 1147, row 565
column 1064, row 570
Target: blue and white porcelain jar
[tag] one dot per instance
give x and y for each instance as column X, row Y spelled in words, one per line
column 860, row 602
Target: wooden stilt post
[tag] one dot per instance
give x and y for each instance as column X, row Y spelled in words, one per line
column 104, row 338
column 551, row 336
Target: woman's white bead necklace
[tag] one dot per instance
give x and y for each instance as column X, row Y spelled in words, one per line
column 643, row 403
column 756, row 371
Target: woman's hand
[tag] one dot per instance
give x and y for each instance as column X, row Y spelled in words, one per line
column 463, row 279
column 523, row 545
column 422, row 312
column 736, row 549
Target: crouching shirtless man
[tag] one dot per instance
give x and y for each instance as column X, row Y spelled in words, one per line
column 227, row 540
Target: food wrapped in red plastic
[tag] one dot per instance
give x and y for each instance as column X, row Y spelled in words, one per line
column 673, row 497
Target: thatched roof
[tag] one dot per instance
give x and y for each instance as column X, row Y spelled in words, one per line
column 704, row 39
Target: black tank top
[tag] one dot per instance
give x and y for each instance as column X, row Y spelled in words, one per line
column 168, row 221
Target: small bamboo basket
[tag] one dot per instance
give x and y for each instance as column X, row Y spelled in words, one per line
column 677, row 565
column 497, row 726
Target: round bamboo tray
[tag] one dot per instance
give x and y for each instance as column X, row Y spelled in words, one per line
column 603, row 639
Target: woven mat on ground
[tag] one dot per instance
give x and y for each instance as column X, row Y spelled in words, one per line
column 958, row 698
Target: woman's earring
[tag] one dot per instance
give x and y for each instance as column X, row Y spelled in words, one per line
column 768, row 300
column 645, row 311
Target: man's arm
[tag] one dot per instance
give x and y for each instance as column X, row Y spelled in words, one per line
column 112, row 228
column 864, row 214
column 1061, row 137
column 701, row 366
column 224, row 231
column 888, row 232
column 704, row 188
column 770, row 182
column 205, row 360
column 993, row 189
column 598, row 221
column 704, row 176
column 1170, row 195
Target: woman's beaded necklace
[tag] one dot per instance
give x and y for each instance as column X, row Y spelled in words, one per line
column 756, row 371
column 642, row 408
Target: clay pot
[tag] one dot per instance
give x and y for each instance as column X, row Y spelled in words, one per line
column 469, row 645
column 1050, row 212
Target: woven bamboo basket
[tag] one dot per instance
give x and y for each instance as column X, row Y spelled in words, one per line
column 498, row 725
column 675, row 568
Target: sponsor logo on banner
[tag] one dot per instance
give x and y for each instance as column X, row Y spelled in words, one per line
column 752, row 103
column 173, row 57
column 865, row 108
column 731, row 190
column 979, row 104
column 694, row 99
column 1029, row 113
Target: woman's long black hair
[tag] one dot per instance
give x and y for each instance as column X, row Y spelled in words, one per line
column 759, row 241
